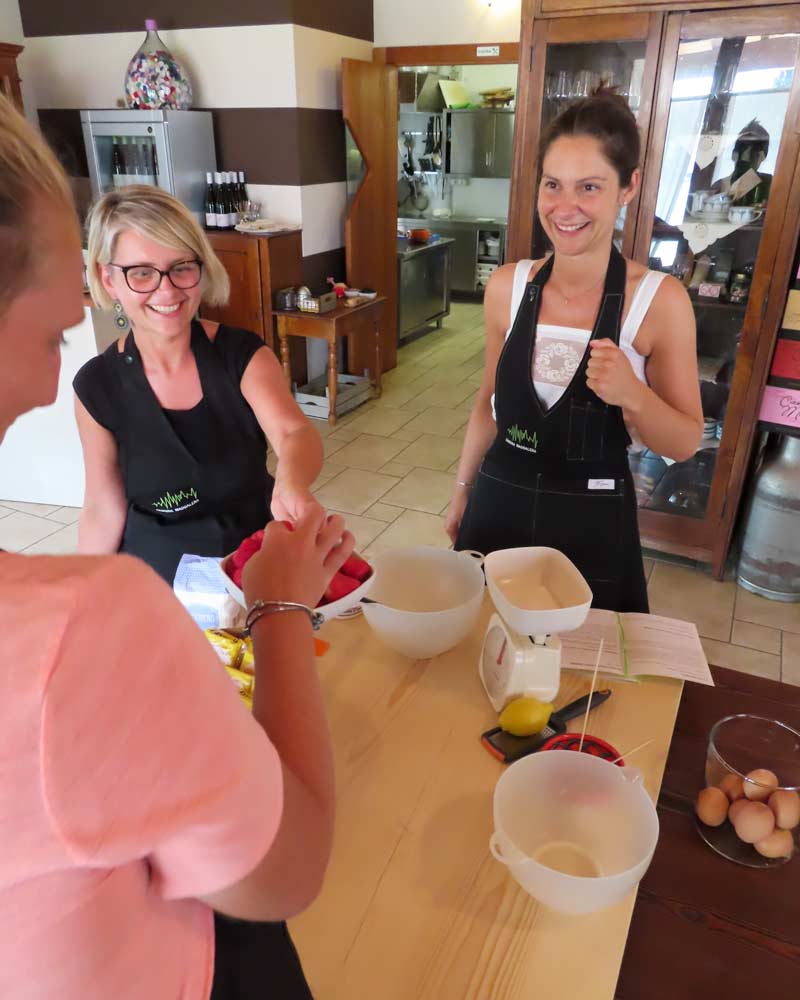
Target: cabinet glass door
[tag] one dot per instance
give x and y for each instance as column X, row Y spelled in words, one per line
column 727, row 113
column 576, row 69
column 121, row 154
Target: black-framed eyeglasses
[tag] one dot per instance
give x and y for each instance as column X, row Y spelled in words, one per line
column 144, row 278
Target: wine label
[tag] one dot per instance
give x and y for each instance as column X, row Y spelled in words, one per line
column 211, row 220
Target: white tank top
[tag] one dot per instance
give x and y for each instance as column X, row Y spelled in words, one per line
column 559, row 350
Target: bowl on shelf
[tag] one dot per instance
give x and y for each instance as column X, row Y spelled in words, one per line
column 751, row 761
column 419, row 235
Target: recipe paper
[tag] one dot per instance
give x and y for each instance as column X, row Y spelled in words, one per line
column 636, row 645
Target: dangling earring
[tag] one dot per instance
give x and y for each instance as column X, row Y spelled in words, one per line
column 120, row 319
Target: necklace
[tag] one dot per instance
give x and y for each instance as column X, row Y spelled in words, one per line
column 579, row 294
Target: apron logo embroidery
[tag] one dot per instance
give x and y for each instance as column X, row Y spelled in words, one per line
column 518, row 437
column 174, row 503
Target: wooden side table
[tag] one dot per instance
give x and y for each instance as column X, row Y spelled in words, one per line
column 339, row 322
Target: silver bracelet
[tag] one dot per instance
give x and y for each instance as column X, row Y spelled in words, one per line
column 260, row 608
column 460, row 482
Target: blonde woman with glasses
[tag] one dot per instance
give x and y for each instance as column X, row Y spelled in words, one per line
column 175, row 417
column 140, row 801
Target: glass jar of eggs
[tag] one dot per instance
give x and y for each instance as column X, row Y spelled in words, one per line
column 749, row 811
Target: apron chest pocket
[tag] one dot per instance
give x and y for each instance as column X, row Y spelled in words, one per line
column 584, row 522
column 587, row 431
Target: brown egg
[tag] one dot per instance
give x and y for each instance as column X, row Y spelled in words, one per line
column 786, row 806
column 736, row 808
column 712, row 806
column 733, row 786
column 779, row 844
column 754, row 823
column 760, row 784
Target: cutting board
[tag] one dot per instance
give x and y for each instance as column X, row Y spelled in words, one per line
column 414, row 907
column 454, row 93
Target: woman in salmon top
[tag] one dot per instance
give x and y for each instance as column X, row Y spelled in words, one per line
column 138, row 794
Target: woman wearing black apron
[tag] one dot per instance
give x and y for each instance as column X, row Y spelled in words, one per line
column 597, row 349
column 174, row 422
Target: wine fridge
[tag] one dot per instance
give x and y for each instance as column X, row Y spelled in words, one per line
column 169, row 149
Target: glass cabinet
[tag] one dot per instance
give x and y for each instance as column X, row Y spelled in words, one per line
column 576, row 69
column 717, row 99
column 729, row 98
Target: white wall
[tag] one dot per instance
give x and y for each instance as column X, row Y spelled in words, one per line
column 446, row 22
column 489, row 77
column 482, row 196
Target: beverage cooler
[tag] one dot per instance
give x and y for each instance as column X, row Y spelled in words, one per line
column 170, row 149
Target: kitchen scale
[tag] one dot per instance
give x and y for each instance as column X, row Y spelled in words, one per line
column 538, row 593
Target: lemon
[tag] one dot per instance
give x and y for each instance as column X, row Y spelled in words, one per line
column 525, row 716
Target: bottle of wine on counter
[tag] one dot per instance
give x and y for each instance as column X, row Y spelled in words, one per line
column 219, row 202
column 233, row 212
column 242, row 192
column 210, row 203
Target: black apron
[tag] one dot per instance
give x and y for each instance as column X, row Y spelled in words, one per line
column 202, row 499
column 560, row 477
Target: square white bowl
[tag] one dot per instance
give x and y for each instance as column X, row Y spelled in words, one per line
column 537, row 590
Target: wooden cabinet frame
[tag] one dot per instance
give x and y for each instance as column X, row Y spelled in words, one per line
column 9, row 75
column 664, row 26
column 530, row 96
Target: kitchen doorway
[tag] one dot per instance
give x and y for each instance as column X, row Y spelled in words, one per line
column 454, row 129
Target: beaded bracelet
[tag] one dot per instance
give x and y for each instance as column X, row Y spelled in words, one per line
column 260, row 608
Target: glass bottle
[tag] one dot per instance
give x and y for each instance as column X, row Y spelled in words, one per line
column 155, row 78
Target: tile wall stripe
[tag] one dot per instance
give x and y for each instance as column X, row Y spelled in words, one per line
column 53, row 17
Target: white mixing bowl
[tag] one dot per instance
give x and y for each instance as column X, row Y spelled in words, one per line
column 427, row 599
column 576, row 832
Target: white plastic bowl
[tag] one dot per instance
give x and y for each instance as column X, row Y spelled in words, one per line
column 328, row 611
column 583, row 815
column 538, row 591
column 428, row 599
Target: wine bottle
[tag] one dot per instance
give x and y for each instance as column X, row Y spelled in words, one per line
column 117, row 166
column 221, row 213
column 210, row 206
column 148, row 167
column 230, row 200
column 242, row 192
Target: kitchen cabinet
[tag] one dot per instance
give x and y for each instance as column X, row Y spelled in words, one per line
column 257, row 267
column 480, row 143
column 9, row 76
column 472, row 259
column 423, row 284
column 717, row 97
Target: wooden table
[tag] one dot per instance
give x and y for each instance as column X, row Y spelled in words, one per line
column 339, row 322
column 414, row 906
column 704, row 927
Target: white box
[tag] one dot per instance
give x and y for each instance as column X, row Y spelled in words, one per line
column 352, row 391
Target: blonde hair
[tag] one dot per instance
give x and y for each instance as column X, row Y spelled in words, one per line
column 155, row 214
column 29, row 174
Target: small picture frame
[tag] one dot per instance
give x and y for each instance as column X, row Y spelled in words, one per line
column 710, row 290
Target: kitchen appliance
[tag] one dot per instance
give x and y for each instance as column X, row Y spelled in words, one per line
column 169, row 149
column 538, row 593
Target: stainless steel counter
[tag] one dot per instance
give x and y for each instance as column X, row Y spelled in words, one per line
column 423, row 284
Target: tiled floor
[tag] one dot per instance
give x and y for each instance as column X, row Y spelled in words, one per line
column 389, row 468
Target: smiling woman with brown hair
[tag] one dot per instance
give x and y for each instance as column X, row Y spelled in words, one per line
column 138, row 794
column 583, row 349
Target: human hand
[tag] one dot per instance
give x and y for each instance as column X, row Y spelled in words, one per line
column 290, row 503
column 610, row 376
column 297, row 562
column 455, row 512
